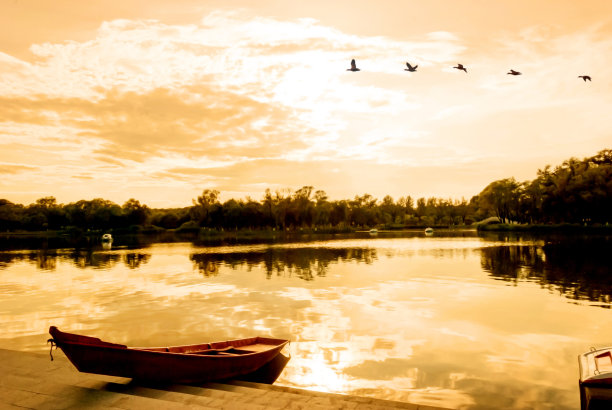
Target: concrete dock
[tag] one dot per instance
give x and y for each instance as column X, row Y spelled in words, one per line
column 33, row 381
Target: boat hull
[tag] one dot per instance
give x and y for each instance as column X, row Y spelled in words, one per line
column 180, row 364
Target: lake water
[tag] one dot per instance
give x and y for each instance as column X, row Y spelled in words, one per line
column 454, row 319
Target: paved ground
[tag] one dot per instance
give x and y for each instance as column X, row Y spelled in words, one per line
column 33, row 381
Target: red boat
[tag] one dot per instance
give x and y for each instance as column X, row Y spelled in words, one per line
column 178, row 364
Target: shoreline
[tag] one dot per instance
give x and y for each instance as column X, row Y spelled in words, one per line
column 213, row 233
column 548, row 228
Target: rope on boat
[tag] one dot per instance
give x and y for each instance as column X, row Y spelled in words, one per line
column 53, row 343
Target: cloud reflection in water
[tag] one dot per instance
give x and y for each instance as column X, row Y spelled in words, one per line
column 427, row 320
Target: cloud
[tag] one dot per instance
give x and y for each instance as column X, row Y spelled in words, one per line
column 201, row 122
column 9, row 62
column 230, row 88
column 11, row 169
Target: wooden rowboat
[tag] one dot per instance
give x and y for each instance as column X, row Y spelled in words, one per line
column 178, row 364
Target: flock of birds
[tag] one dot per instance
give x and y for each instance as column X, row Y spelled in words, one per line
column 413, row 68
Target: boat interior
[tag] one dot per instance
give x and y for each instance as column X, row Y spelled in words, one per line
column 228, row 348
column 205, row 350
column 225, row 348
column 603, row 362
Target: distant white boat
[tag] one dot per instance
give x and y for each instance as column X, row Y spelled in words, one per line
column 429, row 230
column 373, row 230
column 107, row 237
column 595, row 367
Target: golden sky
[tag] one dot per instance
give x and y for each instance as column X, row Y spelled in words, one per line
column 159, row 99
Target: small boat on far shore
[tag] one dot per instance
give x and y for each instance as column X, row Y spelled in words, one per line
column 175, row 364
column 595, row 383
column 429, row 230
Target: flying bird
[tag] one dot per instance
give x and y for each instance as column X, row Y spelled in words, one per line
column 585, row 77
column 353, row 66
column 410, row 68
column 460, row 67
column 512, row 72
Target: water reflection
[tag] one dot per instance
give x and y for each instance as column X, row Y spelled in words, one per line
column 205, row 265
column 578, row 269
column 49, row 259
column 427, row 320
column 90, row 242
column 303, row 263
column 134, row 260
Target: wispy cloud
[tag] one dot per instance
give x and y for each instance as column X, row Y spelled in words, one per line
column 14, row 169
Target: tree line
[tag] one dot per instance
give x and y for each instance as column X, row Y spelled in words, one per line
column 577, row 191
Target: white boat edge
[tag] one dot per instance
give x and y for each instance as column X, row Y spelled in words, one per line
column 589, row 373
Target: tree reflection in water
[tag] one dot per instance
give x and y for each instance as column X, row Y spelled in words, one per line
column 305, row 263
column 47, row 259
column 205, row 265
column 88, row 258
column 134, row 260
column 578, row 269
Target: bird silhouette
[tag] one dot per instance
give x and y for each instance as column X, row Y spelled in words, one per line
column 512, row 72
column 585, row 77
column 410, row 68
column 353, row 66
column 460, row 67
